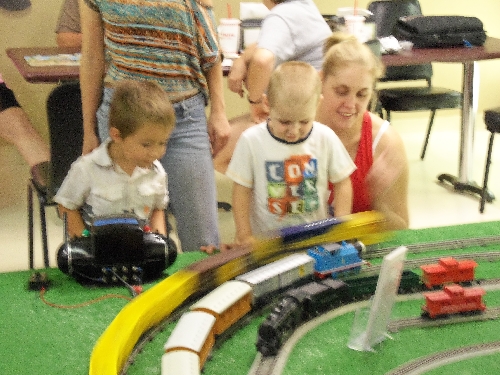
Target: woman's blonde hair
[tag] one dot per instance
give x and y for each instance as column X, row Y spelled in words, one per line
column 342, row 49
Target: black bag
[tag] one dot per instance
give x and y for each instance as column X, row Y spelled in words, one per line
column 440, row 31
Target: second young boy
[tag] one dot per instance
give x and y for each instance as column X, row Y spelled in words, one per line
column 281, row 168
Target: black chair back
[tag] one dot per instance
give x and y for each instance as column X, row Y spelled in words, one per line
column 64, row 111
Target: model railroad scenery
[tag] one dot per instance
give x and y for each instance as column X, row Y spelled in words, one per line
column 295, row 290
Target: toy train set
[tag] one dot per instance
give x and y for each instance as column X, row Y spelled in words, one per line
column 147, row 310
column 307, row 301
column 112, row 349
column 307, row 297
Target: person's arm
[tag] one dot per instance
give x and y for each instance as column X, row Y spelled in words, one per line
column 64, row 39
column 260, row 69
column 157, row 222
column 17, row 129
column 68, row 30
column 388, row 180
column 92, row 70
column 242, row 201
column 342, row 204
column 218, row 125
column 74, row 221
column 238, row 73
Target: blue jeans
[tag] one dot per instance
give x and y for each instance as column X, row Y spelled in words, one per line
column 189, row 166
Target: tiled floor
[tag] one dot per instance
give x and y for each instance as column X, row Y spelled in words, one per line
column 431, row 204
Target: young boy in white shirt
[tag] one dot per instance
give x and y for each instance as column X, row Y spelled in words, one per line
column 281, row 167
column 123, row 175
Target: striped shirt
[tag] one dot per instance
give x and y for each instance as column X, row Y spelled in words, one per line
column 170, row 41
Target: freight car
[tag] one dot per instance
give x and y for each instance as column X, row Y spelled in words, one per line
column 448, row 270
column 453, row 299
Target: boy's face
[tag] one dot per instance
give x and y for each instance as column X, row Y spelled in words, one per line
column 145, row 145
column 291, row 122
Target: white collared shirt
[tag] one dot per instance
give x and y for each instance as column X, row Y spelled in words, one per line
column 99, row 187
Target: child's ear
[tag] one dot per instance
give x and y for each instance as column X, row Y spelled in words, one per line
column 114, row 133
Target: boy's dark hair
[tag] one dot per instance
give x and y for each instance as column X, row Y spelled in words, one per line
column 135, row 103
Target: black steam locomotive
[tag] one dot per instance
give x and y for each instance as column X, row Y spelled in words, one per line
column 305, row 302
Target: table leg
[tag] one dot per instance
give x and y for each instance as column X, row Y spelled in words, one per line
column 470, row 92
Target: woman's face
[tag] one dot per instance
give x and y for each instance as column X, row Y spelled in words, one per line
column 346, row 96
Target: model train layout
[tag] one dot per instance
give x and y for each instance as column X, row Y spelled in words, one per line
column 309, row 295
column 190, row 277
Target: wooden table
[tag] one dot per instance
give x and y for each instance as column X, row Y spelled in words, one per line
column 468, row 57
column 43, row 74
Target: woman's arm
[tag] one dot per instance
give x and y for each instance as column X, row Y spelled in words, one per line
column 242, row 201
column 388, row 180
column 218, row 125
column 238, row 74
column 260, row 69
column 342, row 205
column 92, row 70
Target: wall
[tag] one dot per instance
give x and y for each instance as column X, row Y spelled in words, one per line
column 35, row 26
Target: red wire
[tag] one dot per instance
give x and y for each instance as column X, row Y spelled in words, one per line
column 83, row 304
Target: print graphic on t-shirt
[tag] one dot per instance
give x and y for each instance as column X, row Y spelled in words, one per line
column 291, row 185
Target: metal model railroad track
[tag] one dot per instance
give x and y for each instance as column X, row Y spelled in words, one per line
column 425, row 364
column 398, row 325
column 438, row 245
column 415, row 263
column 273, row 364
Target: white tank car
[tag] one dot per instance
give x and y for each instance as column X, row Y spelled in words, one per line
column 278, row 275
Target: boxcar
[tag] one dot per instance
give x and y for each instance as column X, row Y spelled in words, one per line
column 448, row 270
column 453, row 299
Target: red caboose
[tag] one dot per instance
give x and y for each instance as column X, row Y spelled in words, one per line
column 453, row 299
column 448, row 270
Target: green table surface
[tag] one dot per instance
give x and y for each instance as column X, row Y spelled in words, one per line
column 36, row 338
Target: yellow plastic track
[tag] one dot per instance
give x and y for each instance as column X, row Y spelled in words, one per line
column 142, row 313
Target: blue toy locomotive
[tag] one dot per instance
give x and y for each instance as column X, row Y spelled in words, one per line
column 116, row 249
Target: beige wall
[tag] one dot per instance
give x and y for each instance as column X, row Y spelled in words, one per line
column 35, row 26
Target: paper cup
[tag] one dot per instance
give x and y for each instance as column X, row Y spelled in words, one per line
column 355, row 25
column 229, row 36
